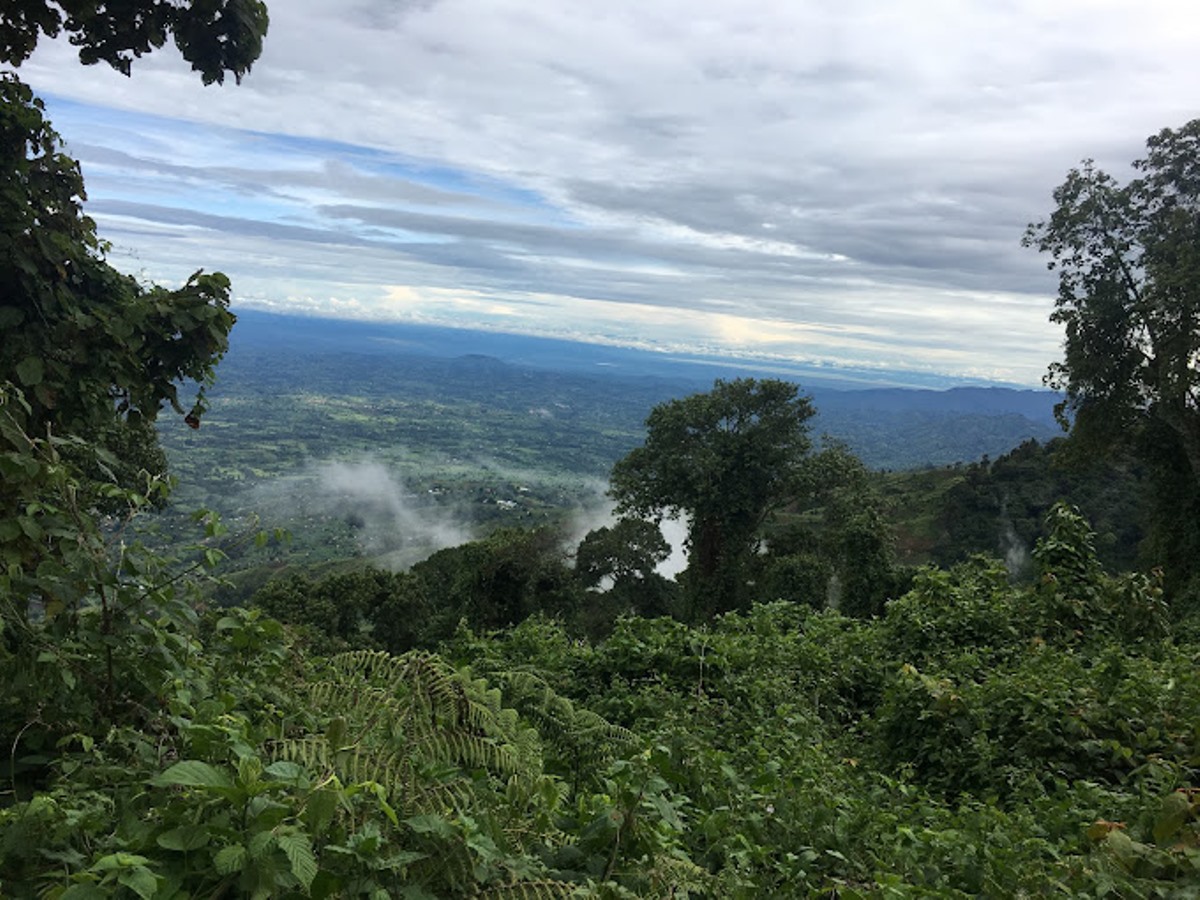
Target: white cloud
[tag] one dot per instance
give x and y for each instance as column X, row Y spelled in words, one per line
column 844, row 182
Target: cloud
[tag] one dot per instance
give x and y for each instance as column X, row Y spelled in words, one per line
column 387, row 515
column 389, row 522
column 839, row 183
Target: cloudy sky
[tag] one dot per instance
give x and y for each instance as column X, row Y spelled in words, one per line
column 836, row 182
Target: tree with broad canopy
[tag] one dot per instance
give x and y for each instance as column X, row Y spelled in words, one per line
column 1128, row 263
column 726, row 460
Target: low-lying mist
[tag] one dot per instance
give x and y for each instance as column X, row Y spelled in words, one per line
column 397, row 525
column 389, row 521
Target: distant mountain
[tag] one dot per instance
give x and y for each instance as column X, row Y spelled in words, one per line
column 260, row 329
column 889, row 426
column 1037, row 406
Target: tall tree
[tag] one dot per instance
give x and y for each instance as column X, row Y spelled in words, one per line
column 726, row 460
column 1128, row 263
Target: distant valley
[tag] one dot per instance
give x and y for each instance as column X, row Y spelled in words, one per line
column 394, row 440
column 600, row 388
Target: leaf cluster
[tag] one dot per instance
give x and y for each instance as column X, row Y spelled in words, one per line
column 215, row 36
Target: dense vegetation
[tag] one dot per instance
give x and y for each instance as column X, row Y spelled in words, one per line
column 799, row 714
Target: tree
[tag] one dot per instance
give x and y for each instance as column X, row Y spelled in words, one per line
column 497, row 581
column 352, row 609
column 1128, row 259
column 215, row 36
column 89, row 355
column 622, row 559
column 726, row 459
column 629, row 550
column 1128, row 262
column 833, row 543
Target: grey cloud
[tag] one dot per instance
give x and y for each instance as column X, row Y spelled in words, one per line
column 794, row 163
column 333, row 175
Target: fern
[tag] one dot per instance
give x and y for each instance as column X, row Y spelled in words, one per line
column 455, row 759
column 583, row 739
column 406, row 715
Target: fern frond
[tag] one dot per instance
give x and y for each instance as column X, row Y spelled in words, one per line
column 577, row 733
column 437, row 797
column 534, row 890
column 357, row 703
column 453, row 866
column 431, row 679
column 312, row 751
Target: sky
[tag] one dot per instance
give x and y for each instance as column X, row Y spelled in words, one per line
column 844, row 184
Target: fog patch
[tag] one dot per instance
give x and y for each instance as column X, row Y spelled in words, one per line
column 1016, row 553
column 389, row 522
column 595, row 510
column 675, row 530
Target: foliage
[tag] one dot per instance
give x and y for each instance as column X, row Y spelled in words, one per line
column 500, row 580
column 93, row 626
column 88, row 355
column 961, row 745
column 945, row 750
column 215, row 36
column 621, row 560
column 367, row 774
column 627, row 551
column 388, row 610
column 1075, row 597
column 998, row 506
column 968, row 738
column 725, row 460
column 1128, row 269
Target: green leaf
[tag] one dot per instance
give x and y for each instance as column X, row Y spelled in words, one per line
column 666, row 811
column 84, row 892
column 11, row 316
column 319, row 810
column 1122, row 846
column 116, row 861
column 326, row 884
column 259, row 842
column 284, row 770
column 192, row 773
column 230, row 859
column 299, row 853
column 141, row 881
column 183, row 838
column 30, row 370
column 430, row 824
column 1176, row 809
